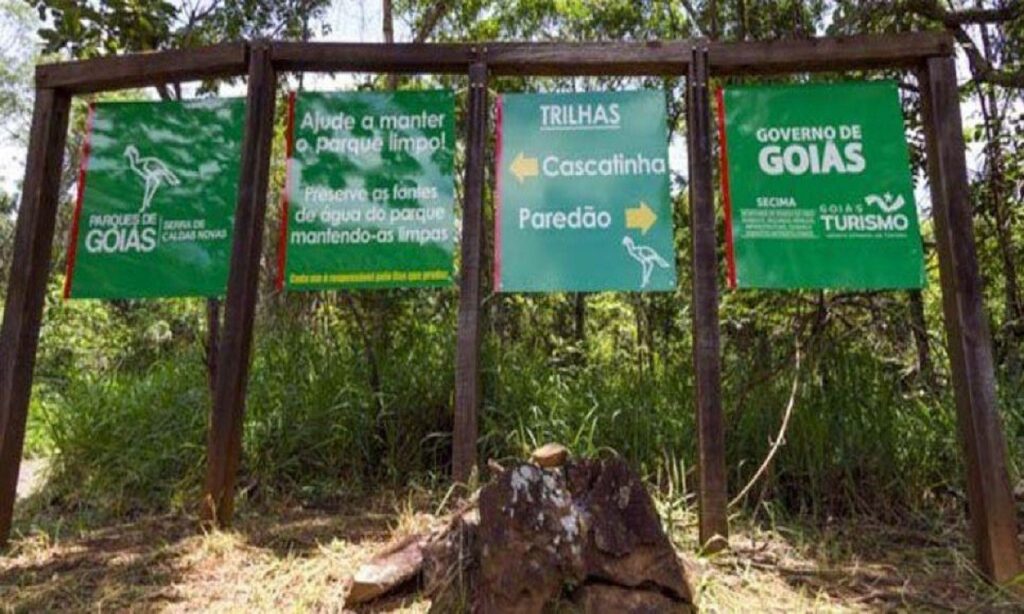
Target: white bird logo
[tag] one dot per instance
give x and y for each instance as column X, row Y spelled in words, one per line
column 886, row 202
column 152, row 170
column 647, row 258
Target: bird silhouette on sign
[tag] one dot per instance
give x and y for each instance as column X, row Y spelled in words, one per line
column 153, row 172
column 647, row 258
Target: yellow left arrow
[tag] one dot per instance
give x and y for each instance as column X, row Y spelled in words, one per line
column 641, row 217
column 523, row 167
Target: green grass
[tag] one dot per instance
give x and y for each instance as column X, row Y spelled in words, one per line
column 127, row 433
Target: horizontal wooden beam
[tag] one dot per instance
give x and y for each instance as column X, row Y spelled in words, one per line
column 829, row 54
column 501, row 58
column 537, row 59
column 747, row 58
column 144, row 69
column 612, row 58
column 618, row 58
column 373, row 57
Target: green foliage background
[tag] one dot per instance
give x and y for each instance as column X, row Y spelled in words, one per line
column 350, row 392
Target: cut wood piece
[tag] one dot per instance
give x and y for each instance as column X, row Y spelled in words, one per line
column 624, row 543
column 451, row 563
column 529, row 541
column 387, row 571
column 542, row 530
column 550, row 455
column 600, row 598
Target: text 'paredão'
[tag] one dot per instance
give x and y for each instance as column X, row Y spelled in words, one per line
column 583, row 193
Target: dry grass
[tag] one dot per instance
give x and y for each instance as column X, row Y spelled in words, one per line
column 284, row 560
column 851, row 566
column 291, row 560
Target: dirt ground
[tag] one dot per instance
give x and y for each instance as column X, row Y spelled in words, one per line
column 292, row 560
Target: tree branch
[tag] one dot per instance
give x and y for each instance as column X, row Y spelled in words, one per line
column 951, row 19
column 430, row 20
column 694, row 21
column 982, row 69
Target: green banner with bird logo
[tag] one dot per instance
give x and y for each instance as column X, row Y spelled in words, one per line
column 156, row 199
column 583, row 193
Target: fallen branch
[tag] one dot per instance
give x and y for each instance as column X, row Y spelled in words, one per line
column 779, row 439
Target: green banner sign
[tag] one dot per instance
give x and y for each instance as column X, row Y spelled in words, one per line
column 817, row 187
column 583, row 193
column 156, row 200
column 370, row 191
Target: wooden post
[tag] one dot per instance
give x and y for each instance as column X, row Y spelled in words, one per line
column 467, row 352
column 713, row 495
column 225, row 437
column 26, row 291
column 992, row 514
column 212, row 341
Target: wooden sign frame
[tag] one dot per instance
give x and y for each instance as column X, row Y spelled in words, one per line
column 992, row 513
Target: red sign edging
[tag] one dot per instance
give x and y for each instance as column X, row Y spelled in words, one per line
column 83, row 167
column 282, row 243
column 726, row 196
column 497, row 196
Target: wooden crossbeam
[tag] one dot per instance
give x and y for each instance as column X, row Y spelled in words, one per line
column 144, row 69
column 540, row 59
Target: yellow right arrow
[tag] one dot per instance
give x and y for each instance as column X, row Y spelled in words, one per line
column 641, row 217
column 523, row 167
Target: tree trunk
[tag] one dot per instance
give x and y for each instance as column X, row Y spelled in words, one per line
column 1013, row 323
column 388, row 19
column 373, row 375
column 580, row 316
column 713, row 10
column 212, row 343
column 741, row 19
column 919, row 328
